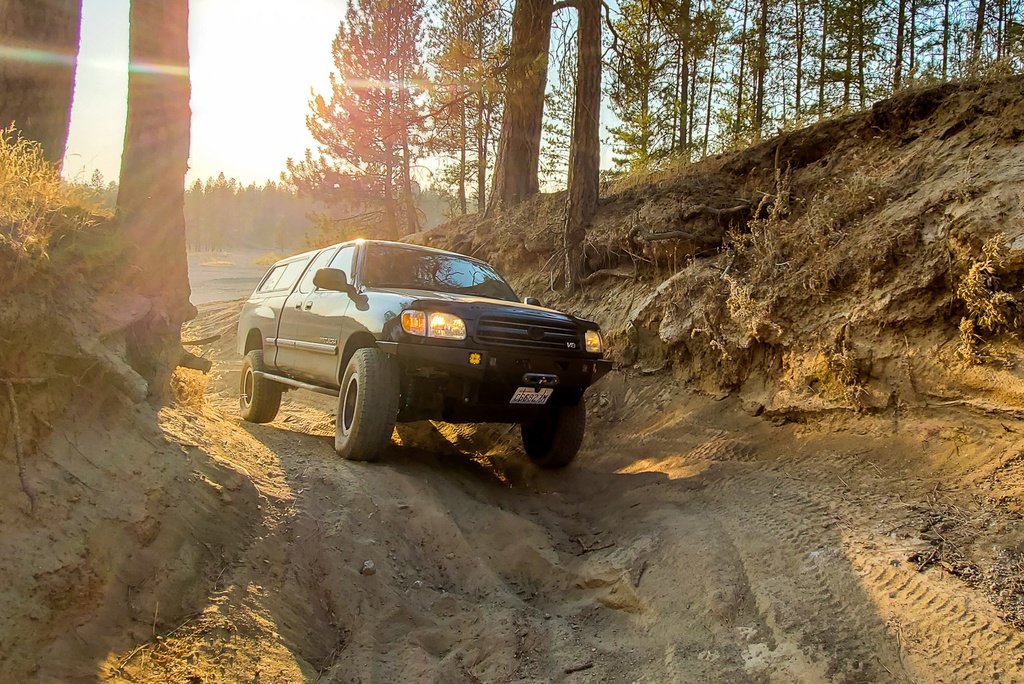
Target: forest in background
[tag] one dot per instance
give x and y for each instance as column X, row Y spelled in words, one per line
column 437, row 84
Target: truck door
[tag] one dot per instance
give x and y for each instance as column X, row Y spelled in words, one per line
column 294, row 355
column 325, row 324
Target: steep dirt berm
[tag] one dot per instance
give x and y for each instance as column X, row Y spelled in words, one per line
column 808, row 466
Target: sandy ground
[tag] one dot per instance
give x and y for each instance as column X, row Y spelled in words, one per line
column 690, row 542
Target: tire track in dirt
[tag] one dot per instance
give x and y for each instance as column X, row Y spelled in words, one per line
column 803, row 581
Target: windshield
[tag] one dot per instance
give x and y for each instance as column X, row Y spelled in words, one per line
column 418, row 269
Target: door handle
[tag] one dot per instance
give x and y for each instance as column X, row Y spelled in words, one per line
column 309, row 305
column 298, row 305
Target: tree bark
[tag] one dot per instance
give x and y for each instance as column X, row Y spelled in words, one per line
column 518, row 160
column 35, row 94
column 585, row 150
column 151, row 198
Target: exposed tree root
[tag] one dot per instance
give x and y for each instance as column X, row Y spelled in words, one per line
column 19, row 448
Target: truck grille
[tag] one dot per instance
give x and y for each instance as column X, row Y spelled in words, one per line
column 527, row 333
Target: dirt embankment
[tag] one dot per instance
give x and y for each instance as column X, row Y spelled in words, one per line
column 808, row 467
column 872, row 261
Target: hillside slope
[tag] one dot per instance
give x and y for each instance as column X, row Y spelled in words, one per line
column 871, row 261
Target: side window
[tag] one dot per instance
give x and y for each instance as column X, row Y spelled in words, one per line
column 283, row 276
column 321, row 260
column 270, row 282
column 344, row 260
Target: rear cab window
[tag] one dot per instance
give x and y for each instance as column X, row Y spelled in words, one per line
column 283, row 276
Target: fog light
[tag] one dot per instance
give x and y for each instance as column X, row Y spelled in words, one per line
column 475, row 359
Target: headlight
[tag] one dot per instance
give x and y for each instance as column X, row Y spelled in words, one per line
column 592, row 342
column 433, row 324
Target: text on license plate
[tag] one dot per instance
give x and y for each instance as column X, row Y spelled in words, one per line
column 528, row 395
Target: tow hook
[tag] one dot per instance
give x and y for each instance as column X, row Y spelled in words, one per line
column 539, row 380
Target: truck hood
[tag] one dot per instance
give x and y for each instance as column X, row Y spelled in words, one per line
column 476, row 306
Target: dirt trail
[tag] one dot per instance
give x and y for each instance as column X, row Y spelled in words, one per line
column 690, row 542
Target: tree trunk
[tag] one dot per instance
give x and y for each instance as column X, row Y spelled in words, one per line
column 35, row 95
column 823, row 63
column 945, row 40
column 979, row 28
column 711, row 98
column 585, row 151
column 762, row 68
column 481, row 159
column 801, row 28
column 743, row 64
column 518, row 162
column 901, row 21
column 151, row 198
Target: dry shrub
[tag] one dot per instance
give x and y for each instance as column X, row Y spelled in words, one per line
column 787, row 257
column 188, row 387
column 36, row 205
column 751, row 315
column 988, row 309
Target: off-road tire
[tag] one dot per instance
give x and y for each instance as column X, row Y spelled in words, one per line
column 258, row 398
column 554, row 440
column 367, row 406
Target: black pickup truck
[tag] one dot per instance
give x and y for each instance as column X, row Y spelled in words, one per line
column 403, row 333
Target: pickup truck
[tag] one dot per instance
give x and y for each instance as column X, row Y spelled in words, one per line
column 402, row 333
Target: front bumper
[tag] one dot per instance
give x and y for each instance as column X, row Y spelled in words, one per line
column 490, row 378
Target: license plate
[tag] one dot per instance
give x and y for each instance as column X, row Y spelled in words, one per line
column 528, row 395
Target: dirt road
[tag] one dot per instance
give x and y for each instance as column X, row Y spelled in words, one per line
column 690, row 542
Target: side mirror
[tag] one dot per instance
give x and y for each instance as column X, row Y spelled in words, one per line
column 532, row 301
column 333, row 279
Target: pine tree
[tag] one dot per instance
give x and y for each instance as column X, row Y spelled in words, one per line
column 639, row 65
column 35, row 95
column 371, row 128
column 467, row 47
column 151, row 197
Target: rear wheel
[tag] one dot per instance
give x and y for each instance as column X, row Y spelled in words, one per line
column 258, row 398
column 367, row 406
column 553, row 440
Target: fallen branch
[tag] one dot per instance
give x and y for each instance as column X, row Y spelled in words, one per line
column 19, row 448
column 579, row 668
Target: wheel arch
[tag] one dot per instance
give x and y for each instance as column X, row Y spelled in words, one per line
column 359, row 340
column 253, row 341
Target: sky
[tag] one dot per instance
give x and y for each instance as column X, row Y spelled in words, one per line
column 253, row 64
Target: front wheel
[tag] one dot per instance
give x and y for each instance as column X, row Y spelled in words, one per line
column 258, row 398
column 553, row 440
column 367, row 406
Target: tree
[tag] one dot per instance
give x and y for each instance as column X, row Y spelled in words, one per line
column 151, row 197
column 585, row 151
column 35, row 94
column 371, row 127
column 638, row 65
column 466, row 51
column 518, row 160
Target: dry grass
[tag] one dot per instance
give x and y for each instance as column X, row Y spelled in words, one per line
column 188, row 387
column 36, row 205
